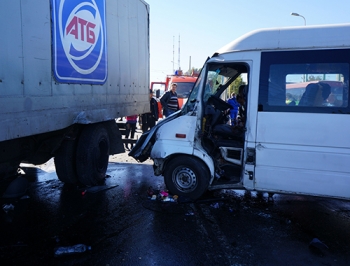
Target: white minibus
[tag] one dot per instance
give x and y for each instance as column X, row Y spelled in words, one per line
column 293, row 138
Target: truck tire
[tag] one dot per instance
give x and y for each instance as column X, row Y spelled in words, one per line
column 186, row 176
column 92, row 155
column 65, row 162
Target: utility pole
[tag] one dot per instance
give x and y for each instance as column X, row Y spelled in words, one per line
column 173, row 53
column 179, row 55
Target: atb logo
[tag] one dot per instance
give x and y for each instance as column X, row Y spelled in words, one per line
column 80, row 40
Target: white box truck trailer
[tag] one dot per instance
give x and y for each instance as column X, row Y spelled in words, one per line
column 293, row 139
column 68, row 69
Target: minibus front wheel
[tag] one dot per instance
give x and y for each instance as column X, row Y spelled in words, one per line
column 186, row 176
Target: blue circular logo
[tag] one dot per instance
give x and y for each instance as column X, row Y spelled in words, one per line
column 82, row 36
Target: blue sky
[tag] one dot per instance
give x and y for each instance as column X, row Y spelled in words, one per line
column 204, row 26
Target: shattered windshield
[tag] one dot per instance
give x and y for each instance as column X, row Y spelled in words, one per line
column 215, row 78
column 189, row 106
column 213, row 81
column 218, row 78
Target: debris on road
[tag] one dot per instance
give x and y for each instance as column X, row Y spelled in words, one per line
column 150, row 192
column 79, row 248
column 96, row 189
column 161, row 195
column 318, row 247
column 8, row 207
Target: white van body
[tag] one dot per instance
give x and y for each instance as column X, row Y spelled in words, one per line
column 296, row 146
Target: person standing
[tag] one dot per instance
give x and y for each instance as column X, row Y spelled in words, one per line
column 148, row 120
column 234, row 110
column 242, row 113
column 130, row 129
column 169, row 101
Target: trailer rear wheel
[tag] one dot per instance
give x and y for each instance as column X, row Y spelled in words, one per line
column 186, row 176
column 92, row 155
column 65, row 162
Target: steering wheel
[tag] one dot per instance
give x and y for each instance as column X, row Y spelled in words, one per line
column 219, row 103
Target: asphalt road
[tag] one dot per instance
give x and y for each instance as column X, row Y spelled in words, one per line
column 124, row 226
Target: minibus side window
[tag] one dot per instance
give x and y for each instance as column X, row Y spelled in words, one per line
column 305, row 81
